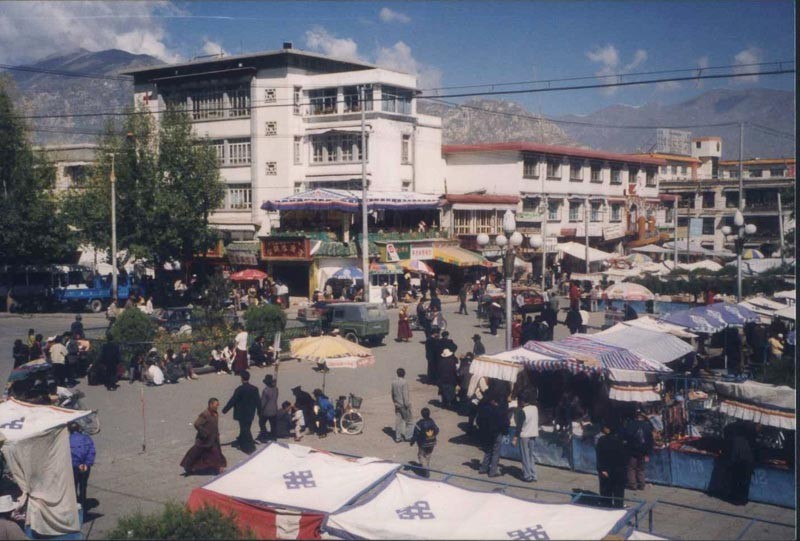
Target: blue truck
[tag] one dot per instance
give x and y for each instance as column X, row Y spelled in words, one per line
column 95, row 293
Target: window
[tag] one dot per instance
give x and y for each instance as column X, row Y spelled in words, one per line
column 76, row 174
column 272, row 168
column 650, row 178
column 298, row 187
column 461, row 221
column 219, row 149
column 553, row 208
column 669, row 214
column 238, row 152
column 683, row 221
column 405, row 149
column 395, row 100
column 239, row 99
column 697, row 144
column 576, row 172
column 271, row 128
column 776, row 172
column 756, row 173
column 298, row 146
column 616, row 213
column 708, row 226
column 531, row 204
column 208, row 104
column 684, row 170
column 596, row 172
column 322, row 101
column 595, row 214
column 732, row 200
column 238, row 197
column 616, row 175
column 553, row 169
column 633, row 172
column 674, row 169
column 351, row 99
column 530, row 168
column 484, row 221
column 269, row 95
column 337, row 147
column 574, row 211
column 405, row 186
column 297, row 97
column 708, row 200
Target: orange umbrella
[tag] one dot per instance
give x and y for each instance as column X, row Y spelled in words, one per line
column 248, row 275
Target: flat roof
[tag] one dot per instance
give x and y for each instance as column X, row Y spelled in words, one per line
column 476, row 198
column 761, row 161
column 552, row 149
column 671, row 157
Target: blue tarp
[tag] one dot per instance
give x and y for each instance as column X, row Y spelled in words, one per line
column 697, row 320
column 732, row 314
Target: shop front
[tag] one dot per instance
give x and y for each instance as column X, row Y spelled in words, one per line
column 288, row 260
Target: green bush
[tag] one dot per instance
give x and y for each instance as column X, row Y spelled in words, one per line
column 135, row 331
column 266, row 319
column 177, row 522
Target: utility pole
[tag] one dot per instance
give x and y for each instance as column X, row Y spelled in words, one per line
column 675, row 231
column 780, row 226
column 364, row 213
column 586, row 231
column 544, row 239
column 113, row 231
column 740, row 241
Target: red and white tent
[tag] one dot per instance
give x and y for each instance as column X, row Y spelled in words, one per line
column 285, row 491
column 410, row 508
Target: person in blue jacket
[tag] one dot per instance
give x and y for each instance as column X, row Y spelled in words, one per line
column 326, row 413
column 82, row 450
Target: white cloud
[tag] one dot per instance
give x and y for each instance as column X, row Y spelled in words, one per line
column 399, row 57
column 751, row 55
column 212, row 47
column 390, row 16
column 32, row 30
column 609, row 60
column 319, row 39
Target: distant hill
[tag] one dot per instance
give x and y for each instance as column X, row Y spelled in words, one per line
column 774, row 109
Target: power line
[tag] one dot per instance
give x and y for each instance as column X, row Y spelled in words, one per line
column 772, row 131
column 62, row 73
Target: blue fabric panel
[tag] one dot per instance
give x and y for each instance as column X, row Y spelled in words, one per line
column 507, row 450
column 553, row 450
column 584, row 456
column 658, row 469
column 690, row 470
column 773, row 485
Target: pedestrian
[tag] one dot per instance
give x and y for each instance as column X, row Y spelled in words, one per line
column 425, row 432
column 463, row 382
column 326, row 413
column 35, row 350
column 436, row 302
column 432, row 356
column 733, row 469
column 611, row 466
column 206, row 453
column 638, row 437
column 495, row 315
column 447, row 377
column 462, row 300
column 775, row 347
column 73, row 356
column 240, row 356
column 298, row 422
column 422, row 318
column 403, row 326
column 20, row 353
column 9, row 529
column 112, row 312
column 550, row 316
column 594, row 297
column 574, row 296
column 573, row 320
column 516, row 332
column 58, row 359
column 245, row 402
column 492, row 422
column 109, row 360
column 305, row 403
column 401, row 398
column 268, row 409
column 478, row 385
column 384, row 295
column 76, row 329
column 478, row 348
column 526, row 418
column 82, row 450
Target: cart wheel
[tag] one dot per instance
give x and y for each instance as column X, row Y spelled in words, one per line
column 96, row 306
column 352, row 337
column 352, row 423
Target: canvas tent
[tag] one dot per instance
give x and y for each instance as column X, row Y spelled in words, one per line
column 284, row 491
column 411, row 508
column 650, row 323
column 579, row 251
column 36, row 451
column 769, row 405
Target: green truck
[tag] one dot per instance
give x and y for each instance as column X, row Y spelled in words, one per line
column 355, row 321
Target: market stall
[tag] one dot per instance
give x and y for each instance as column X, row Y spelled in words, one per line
column 284, row 491
column 37, row 453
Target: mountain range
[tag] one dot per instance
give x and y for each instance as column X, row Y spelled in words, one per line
column 41, row 91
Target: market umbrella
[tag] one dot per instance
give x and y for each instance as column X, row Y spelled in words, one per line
column 752, row 253
column 248, row 275
column 638, row 259
column 414, row 265
column 626, row 291
column 332, row 351
column 26, row 370
column 349, row 273
column 732, row 314
column 697, row 320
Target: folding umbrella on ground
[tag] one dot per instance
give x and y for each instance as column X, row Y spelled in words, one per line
column 248, row 275
column 28, row 369
column 349, row 273
column 626, row 291
column 414, row 265
column 332, row 351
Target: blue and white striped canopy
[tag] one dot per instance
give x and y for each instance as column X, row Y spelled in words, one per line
column 349, row 273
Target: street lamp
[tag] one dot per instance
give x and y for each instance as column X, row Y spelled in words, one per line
column 536, row 242
column 739, row 232
column 507, row 243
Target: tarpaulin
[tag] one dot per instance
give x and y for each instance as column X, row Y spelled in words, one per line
column 653, row 345
column 770, row 405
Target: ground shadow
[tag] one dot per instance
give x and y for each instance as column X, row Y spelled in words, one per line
column 416, row 468
column 389, row 431
column 464, row 439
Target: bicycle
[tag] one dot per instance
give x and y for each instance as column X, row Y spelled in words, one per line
column 91, row 423
column 349, row 420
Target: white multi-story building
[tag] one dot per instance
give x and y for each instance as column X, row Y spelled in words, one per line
column 287, row 121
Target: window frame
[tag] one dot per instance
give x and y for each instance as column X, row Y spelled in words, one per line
column 576, row 207
column 528, row 165
column 553, row 169
column 616, row 175
column 575, row 168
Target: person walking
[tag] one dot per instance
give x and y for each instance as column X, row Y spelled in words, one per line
column 447, row 377
column 526, row 418
column 401, row 398
column 422, row 318
column 573, row 320
column 432, row 345
column 58, row 359
column 76, row 329
column 495, row 315
column 638, row 438
column 611, row 465
column 478, row 385
column 245, row 402
column 240, row 356
column 404, row 333
column 268, row 410
column 82, row 451
column 425, row 432
column 109, row 360
column 464, row 377
column 478, row 348
column 206, row 453
column 73, row 354
column 492, row 426
column 574, row 296
column 462, row 300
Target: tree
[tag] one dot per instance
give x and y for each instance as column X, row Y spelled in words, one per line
column 32, row 227
column 167, row 184
column 177, row 522
column 134, row 331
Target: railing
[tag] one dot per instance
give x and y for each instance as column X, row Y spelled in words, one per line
column 394, row 236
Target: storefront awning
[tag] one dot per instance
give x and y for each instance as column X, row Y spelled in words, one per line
column 455, row 255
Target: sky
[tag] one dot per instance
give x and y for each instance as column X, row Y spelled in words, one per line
column 446, row 44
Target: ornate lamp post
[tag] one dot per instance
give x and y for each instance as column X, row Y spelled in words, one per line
column 739, row 232
column 507, row 243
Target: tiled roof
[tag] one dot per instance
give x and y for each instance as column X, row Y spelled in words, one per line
column 481, row 199
column 552, row 149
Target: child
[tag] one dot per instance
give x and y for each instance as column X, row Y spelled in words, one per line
column 425, row 432
column 298, row 422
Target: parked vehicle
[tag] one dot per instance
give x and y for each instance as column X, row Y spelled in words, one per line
column 355, row 321
column 95, row 293
column 174, row 320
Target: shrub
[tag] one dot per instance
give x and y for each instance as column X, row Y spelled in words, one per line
column 134, row 330
column 266, row 319
column 177, row 522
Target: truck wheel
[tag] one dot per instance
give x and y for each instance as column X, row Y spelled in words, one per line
column 352, row 337
column 96, row 306
column 375, row 340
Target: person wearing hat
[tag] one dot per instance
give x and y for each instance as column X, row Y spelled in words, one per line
column 8, row 528
column 638, row 436
column 432, row 356
column 82, row 450
column 268, row 410
column 447, row 377
column 611, row 465
column 478, row 348
column 245, row 402
column 304, row 403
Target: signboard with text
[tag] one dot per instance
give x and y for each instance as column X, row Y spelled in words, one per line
column 283, row 249
column 399, row 251
column 670, row 141
column 613, row 231
column 236, row 257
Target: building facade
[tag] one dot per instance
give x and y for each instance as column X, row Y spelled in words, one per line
column 289, row 121
column 72, row 163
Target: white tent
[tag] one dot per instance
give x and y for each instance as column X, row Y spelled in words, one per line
column 790, row 313
column 579, row 251
column 647, row 322
column 36, row 450
column 705, row 264
column 650, row 344
column 789, row 294
column 505, row 365
column 410, row 508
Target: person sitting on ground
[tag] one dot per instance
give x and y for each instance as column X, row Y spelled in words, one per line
column 173, row 371
column 153, row 375
column 326, row 413
column 217, row 361
column 257, row 355
column 187, row 361
column 283, row 420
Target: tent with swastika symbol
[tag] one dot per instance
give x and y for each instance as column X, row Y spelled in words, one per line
column 284, row 491
column 412, row 508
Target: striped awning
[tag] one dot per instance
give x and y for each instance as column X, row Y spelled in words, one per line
column 591, row 356
column 455, row 255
